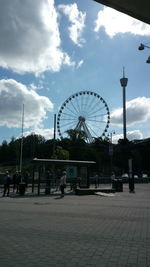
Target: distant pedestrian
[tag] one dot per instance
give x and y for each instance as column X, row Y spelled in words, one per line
column 57, row 180
column 7, row 181
column 26, row 179
column 113, row 176
column 18, row 181
column 131, row 183
column 63, row 183
column 96, row 180
column 57, row 183
column 14, row 180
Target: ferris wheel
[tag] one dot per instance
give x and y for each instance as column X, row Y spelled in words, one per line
column 84, row 111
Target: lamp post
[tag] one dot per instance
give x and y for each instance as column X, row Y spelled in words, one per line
column 111, row 135
column 22, row 185
column 54, row 140
column 21, row 146
column 123, row 82
column 111, row 150
column 142, row 47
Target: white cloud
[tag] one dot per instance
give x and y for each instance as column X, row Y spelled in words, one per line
column 34, row 87
column 77, row 19
column 46, row 133
column 80, row 63
column 116, row 22
column 131, row 135
column 137, row 111
column 30, row 39
column 12, row 97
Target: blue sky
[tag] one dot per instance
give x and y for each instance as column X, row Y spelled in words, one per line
column 50, row 50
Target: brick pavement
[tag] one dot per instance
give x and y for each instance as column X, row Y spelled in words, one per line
column 76, row 230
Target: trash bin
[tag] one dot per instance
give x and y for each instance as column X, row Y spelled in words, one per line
column 131, row 184
column 47, row 190
column 114, row 184
column 120, row 185
column 117, row 185
column 22, row 188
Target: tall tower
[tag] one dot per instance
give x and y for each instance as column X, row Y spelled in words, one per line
column 123, row 82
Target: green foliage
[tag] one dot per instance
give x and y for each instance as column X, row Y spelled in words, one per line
column 62, row 153
column 75, row 134
column 76, row 148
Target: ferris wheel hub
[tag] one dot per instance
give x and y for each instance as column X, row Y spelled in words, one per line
column 81, row 118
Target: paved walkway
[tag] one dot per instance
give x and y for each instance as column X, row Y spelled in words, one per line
column 76, row 230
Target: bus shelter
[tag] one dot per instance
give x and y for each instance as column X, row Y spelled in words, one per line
column 47, row 172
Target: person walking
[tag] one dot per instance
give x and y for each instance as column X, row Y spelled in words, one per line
column 63, row 183
column 57, row 180
column 7, row 180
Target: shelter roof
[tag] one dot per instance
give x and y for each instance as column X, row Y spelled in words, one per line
column 36, row 160
column 135, row 8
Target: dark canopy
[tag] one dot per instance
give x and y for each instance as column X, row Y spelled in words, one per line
column 135, row 8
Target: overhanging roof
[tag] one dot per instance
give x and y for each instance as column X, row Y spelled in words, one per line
column 139, row 9
column 36, row 160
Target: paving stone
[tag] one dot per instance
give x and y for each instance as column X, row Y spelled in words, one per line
column 76, row 231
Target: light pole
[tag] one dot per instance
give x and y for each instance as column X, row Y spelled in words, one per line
column 111, row 150
column 111, row 135
column 123, row 82
column 142, row 47
column 54, row 140
column 21, row 145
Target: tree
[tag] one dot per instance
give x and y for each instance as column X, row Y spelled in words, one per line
column 122, row 154
column 76, row 134
column 62, row 153
column 4, row 153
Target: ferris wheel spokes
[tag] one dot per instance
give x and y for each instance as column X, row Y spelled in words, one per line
column 100, row 121
column 67, row 115
column 74, row 107
column 92, row 131
column 71, row 111
column 98, row 110
column 68, row 124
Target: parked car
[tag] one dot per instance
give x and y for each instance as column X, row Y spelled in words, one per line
column 125, row 175
column 145, row 178
column 144, row 175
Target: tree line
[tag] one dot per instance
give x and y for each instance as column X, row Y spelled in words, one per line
column 108, row 157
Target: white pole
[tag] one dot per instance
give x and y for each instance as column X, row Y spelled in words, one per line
column 21, row 148
column 54, row 140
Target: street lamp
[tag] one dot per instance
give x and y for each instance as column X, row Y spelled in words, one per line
column 111, row 134
column 142, row 47
column 21, row 145
column 111, row 149
column 54, row 140
column 123, row 82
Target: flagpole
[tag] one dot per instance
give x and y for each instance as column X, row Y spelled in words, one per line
column 21, row 147
column 54, row 140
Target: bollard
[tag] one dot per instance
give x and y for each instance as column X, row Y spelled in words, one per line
column 22, row 188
